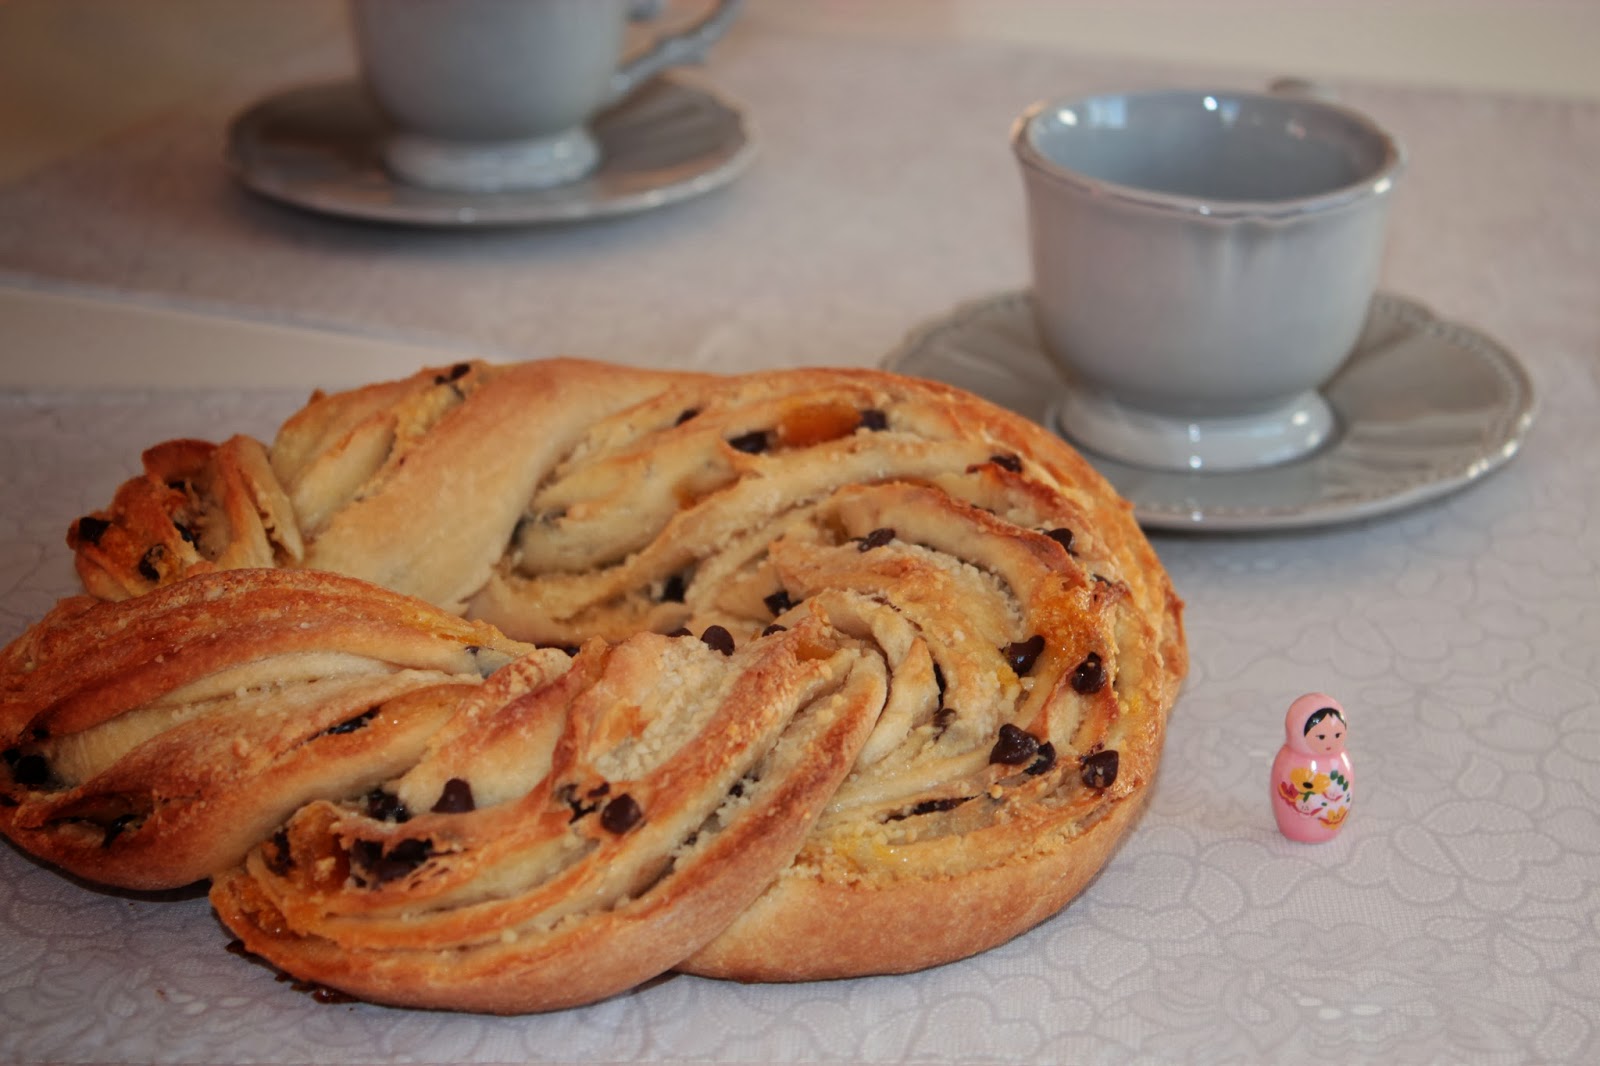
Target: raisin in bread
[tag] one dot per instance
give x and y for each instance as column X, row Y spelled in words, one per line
column 856, row 649
column 150, row 742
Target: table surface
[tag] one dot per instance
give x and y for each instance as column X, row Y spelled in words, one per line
column 144, row 296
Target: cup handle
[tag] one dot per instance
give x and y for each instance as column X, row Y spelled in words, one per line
column 672, row 50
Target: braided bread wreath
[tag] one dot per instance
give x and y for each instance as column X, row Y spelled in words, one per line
column 791, row 675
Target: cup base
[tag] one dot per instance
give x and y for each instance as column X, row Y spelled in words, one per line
column 1279, row 434
column 502, row 166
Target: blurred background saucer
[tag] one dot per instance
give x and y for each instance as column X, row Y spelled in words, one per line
column 1424, row 407
column 317, row 147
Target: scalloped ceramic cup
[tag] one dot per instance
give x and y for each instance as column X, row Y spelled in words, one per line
column 495, row 95
column 1202, row 262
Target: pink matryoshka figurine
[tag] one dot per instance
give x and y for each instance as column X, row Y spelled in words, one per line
column 1311, row 777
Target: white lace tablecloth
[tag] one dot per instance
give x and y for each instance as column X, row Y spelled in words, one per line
column 1457, row 918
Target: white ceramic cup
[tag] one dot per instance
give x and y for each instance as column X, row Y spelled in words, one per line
column 491, row 95
column 1202, row 263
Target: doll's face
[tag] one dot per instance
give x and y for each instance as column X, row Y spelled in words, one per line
column 1326, row 737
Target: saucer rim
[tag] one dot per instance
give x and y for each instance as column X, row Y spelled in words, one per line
column 536, row 207
column 1520, row 409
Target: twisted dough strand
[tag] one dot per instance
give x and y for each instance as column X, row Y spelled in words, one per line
column 881, row 671
column 150, row 742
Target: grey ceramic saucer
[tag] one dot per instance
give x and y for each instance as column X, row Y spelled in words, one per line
column 317, row 147
column 1424, row 407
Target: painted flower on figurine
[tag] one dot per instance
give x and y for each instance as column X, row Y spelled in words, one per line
column 1306, row 783
column 1312, row 774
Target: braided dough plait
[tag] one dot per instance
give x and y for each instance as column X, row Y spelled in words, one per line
column 936, row 663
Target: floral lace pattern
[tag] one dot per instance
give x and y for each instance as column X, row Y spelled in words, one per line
column 1456, row 901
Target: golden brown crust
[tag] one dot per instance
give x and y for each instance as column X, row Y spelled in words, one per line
column 952, row 653
column 808, row 929
column 586, row 902
column 199, row 507
column 151, row 742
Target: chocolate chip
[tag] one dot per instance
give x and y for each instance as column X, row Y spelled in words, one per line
column 186, row 532
column 1061, row 536
column 91, row 529
column 874, row 420
column 938, row 680
column 280, row 860
column 686, row 414
column 456, row 798
column 774, row 628
column 778, row 602
column 932, row 806
column 568, row 794
column 1007, row 461
column 1090, row 675
column 350, row 725
column 455, row 373
column 876, row 539
column 673, row 589
column 410, row 853
column 386, row 807
column 752, row 443
column 114, row 830
column 621, row 815
column 1100, row 769
column 1046, row 760
column 394, row 863
column 943, row 717
column 718, row 639
column 148, row 563
column 599, row 790
column 1014, row 746
column 681, row 631
column 29, row 771
column 1021, row 655
column 364, row 853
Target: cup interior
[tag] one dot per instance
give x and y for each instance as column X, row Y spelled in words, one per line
column 1213, row 147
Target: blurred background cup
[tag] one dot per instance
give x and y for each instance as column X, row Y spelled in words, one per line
column 491, row 95
column 1202, row 263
